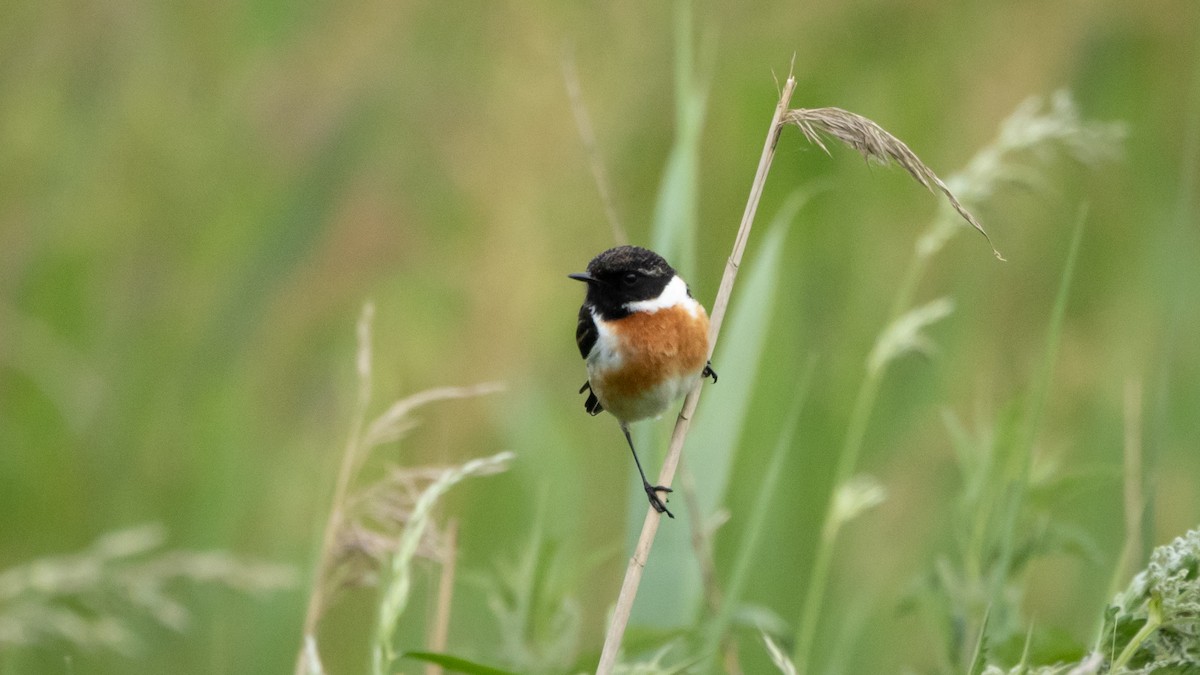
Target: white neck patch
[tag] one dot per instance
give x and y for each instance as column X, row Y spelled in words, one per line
column 674, row 295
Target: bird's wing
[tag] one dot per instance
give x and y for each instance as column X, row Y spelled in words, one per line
column 586, row 336
column 585, row 332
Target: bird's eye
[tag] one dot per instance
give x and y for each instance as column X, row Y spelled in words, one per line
column 630, row 279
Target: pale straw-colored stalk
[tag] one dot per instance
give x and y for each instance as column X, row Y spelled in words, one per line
column 875, row 144
column 633, row 574
column 441, row 621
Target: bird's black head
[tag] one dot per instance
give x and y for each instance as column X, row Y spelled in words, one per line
column 622, row 275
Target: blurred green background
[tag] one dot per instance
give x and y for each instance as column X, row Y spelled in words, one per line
column 196, row 199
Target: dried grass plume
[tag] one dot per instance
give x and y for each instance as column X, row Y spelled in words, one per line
column 875, row 144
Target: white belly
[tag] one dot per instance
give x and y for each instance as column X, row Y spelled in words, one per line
column 654, row 402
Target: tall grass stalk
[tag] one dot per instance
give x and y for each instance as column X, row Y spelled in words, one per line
column 1018, row 477
column 725, row 410
column 753, row 528
column 1027, row 133
column 997, row 526
column 633, row 574
column 676, row 211
column 530, row 595
column 887, row 348
column 348, row 467
column 1133, row 489
column 669, row 593
column 387, row 522
column 583, row 122
column 399, row 571
column 874, row 144
column 440, row 628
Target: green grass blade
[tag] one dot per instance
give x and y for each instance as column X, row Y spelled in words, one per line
column 979, row 658
column 675, row 212
column 398, row 574
column 1022, row 457
column 455, row 664
column 781, row 661
column 673, row 593
column 673, row 235
column 753, row 528
column 1054, row 334
column 725, row 408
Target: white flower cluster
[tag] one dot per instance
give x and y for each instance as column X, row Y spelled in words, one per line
column 1166, row 593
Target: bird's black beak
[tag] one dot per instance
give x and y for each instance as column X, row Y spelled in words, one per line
column 583, row 276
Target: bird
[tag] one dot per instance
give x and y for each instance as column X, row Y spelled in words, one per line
column 644, row 338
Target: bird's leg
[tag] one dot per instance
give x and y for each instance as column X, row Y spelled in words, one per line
column 651, row 490
column 709, row 372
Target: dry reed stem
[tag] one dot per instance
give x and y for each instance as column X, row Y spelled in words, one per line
column 441, row 620
column 350, row 458
column 700, row 539
column 583, row 123
column 339, row 526
column 874, row 143
column 633, row 574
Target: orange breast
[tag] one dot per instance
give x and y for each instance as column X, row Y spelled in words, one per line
column 653, row 346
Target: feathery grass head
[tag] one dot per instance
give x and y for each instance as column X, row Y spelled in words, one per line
column 376, row 530
column 875, row 144
column 398, row 568
column 855, row 497
column 1029, row 140
column 94, row 599
column 904, row 334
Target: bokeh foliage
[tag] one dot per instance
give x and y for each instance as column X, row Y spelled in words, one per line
column 196, row 200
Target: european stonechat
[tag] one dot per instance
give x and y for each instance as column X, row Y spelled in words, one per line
column 645, row 339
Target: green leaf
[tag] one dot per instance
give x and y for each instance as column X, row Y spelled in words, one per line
column 662, row 602
column 455, row 664
column 979, row 660
column 754, row 527
column 676, row 210
column 725, row 409
column 1046, row 644
column 672, row 594
column 1021, row 460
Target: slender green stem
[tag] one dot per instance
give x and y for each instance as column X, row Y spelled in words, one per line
column 847, row 460
column 1153, row 622
column 856, row 431
column 754, row 526
column 1017, row 477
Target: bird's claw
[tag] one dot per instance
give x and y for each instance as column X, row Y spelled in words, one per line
column 657, row 502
